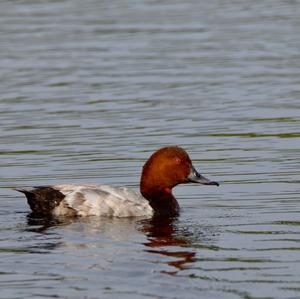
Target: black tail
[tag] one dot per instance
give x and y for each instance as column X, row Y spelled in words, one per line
column 42, row 200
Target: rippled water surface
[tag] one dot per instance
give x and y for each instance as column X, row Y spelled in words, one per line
column 89, row 89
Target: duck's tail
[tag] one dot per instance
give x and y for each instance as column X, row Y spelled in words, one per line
column 42, row 200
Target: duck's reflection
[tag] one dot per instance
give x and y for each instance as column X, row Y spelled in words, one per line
column 40, row 224
column 162, row 233
column 164, row 239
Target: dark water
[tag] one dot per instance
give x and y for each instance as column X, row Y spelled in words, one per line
column 90, row 88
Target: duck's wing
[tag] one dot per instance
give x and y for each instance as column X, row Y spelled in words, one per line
column 102, row 200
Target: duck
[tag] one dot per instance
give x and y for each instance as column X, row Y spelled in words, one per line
column 166, row 168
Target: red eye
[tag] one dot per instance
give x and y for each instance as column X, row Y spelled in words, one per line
column 177, row 161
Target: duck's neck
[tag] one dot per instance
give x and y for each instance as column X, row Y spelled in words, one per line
column 162, row 201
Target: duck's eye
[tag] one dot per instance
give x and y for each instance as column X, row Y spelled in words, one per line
column 177, row 160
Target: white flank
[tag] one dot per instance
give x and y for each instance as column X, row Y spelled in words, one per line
column 101, row 200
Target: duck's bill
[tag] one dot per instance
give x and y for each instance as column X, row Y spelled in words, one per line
column 196, row 177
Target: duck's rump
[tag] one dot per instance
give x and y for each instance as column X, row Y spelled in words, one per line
column 43, row 199
column 86, row 200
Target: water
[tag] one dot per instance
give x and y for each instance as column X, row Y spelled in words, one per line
column 90, row 89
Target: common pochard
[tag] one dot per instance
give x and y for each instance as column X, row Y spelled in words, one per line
column 166, row 168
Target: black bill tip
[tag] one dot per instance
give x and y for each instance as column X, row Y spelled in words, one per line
column 213, row 183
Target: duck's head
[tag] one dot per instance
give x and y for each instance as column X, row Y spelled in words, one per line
column 168, row 167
